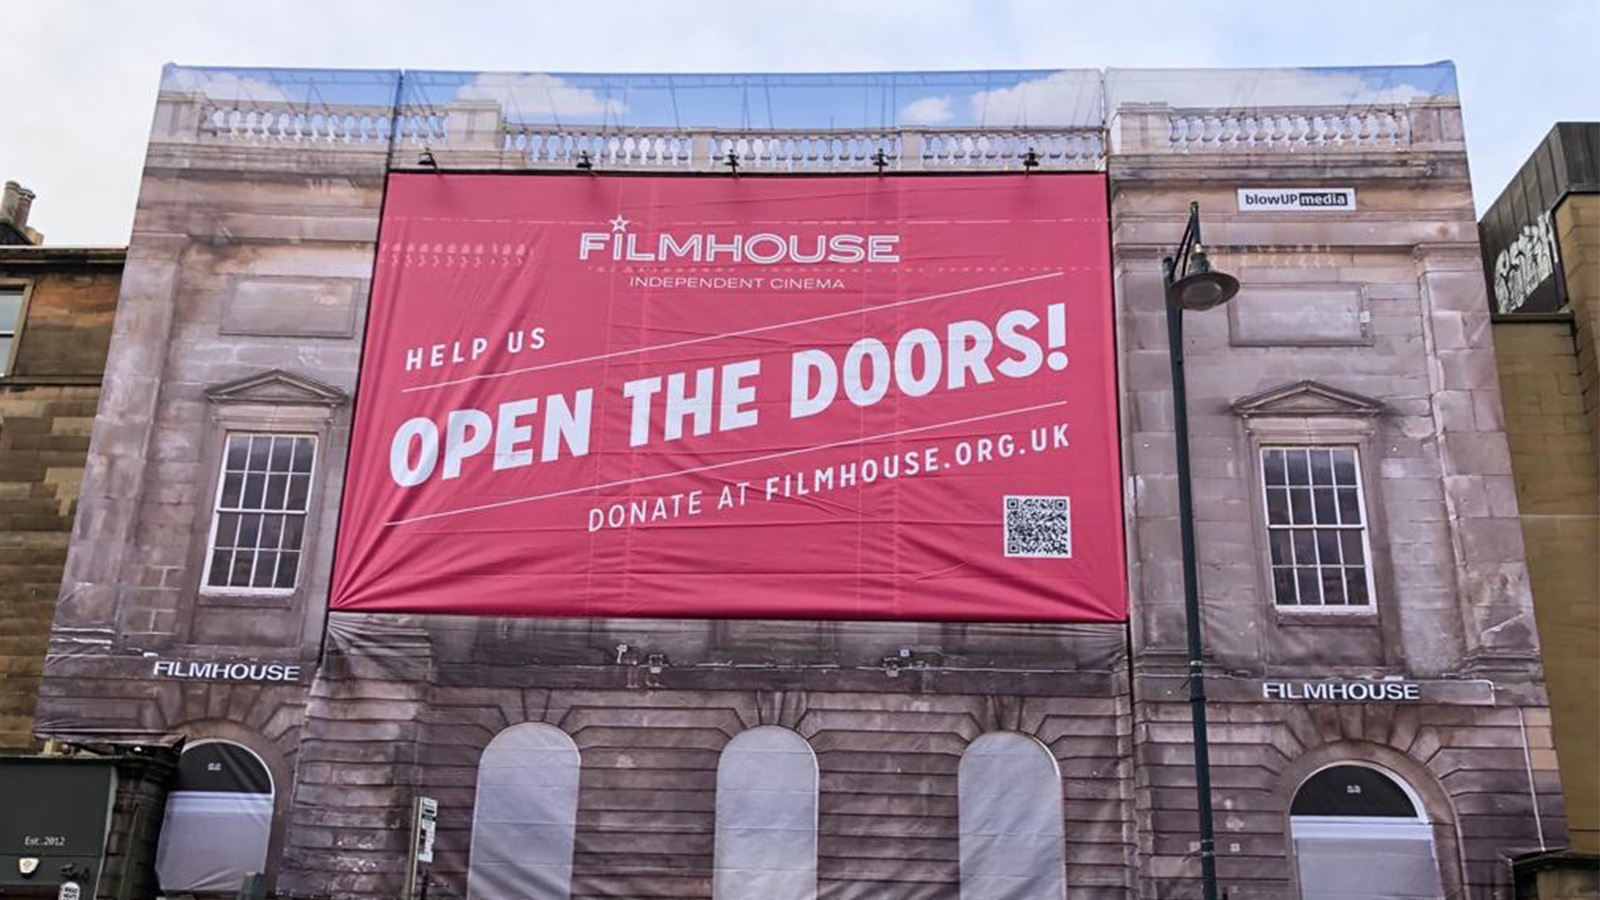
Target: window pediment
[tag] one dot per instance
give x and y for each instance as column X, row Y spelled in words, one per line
column 279, row 388
column 1307, row 399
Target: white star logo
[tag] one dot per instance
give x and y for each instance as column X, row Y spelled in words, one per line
column 619, row 223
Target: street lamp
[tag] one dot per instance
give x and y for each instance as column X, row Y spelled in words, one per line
column 1192, row 284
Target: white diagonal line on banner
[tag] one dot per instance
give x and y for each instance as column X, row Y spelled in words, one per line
column 717, row 337
column 738, row 462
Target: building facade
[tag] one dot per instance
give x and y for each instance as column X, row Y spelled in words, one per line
column 56, row 307
column 1379, row 718
column 56, row 310
column 1540, row 243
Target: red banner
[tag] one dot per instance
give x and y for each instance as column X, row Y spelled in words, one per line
column 868, row 397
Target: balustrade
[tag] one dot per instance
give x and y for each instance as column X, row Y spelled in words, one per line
column 1372, row 128
column 1141, row 128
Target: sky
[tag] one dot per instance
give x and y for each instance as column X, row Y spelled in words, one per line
column 82, row 75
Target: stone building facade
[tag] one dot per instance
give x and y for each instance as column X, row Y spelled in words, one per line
column 1355, row 368
column 56, row 307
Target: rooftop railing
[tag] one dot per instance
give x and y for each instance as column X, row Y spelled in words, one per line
column 1374, row 128
column 545, row 146
column 474, row 134
column 1428, row 124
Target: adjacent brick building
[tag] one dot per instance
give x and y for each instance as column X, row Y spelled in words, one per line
column 1398, row 663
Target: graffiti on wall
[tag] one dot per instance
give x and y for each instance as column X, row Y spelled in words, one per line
column 1523, row 266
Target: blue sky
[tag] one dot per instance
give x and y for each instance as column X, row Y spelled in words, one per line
column 83, row 75
column 871, row 101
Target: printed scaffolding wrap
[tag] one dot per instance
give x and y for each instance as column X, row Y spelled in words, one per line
column 872, row 398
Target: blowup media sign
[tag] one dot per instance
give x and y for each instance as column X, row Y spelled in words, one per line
column 848, row 398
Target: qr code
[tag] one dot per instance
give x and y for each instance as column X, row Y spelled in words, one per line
column 1039, row 526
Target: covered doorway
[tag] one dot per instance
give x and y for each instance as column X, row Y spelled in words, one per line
column 1360, row 834
column 218, row 820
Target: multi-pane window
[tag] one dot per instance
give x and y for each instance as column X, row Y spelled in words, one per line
column 11, row 297
column 1316, row 526
column 260, row 521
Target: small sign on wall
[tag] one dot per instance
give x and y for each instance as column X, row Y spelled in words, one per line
column 1297, row 199
column 1345, row 691
column 224, row 670
column 427, row 827
column 424, row 827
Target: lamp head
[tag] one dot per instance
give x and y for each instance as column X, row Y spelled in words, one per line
column 1201, row 288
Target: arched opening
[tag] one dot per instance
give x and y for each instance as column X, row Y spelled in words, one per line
column 218, row 820
column 1360, row 832
column 1012, row 834
column 766, row 842
column 525, row 816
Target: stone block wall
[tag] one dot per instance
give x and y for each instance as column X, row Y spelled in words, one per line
column 399, row 710
column 47, row 407
column 1551, row 385
column 1411, row 381
column 43, row 440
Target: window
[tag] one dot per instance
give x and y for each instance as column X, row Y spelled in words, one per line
column 1013, row 838
column 1358, row 833
column 12, row 297
column 260, row 519
column 525, row 818
column 766, row 838
column 1316, row 527
column 218, row 820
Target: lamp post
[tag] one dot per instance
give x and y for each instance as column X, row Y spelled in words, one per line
column 1192, row 285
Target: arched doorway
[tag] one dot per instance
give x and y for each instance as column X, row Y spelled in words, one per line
column 1360, row 833
column 766, row 831
column 218, row 820
column 525, row 818
column 1010, row 810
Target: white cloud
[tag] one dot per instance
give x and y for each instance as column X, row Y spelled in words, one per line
column 927, row 111
column 540, row 97
column 1244, row 88
column 98, row 60
column 221, row 86
column 1061, row 98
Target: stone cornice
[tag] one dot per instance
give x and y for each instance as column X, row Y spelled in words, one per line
column 277, row 388
column 61, row 257
column 1304, row 399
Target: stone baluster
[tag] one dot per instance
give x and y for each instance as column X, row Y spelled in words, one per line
column 1299, row 130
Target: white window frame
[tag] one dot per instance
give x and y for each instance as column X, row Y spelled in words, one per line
column 1369, row 608
column 26, row 287
column 211, row 590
